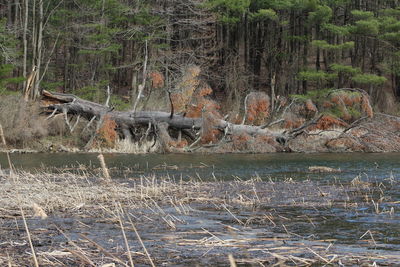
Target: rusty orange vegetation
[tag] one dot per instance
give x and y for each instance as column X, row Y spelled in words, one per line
column 310, row 106
column 327, row 122
column 209, row 133
column 258, row 108
column 293, row 123
column 181, row 100
column 336, row 99
column 366, row 106
column 183, row 143
column 327, row 104
column 201, row 103
column 260, row 139
column 157, row 79
column 107, row 134
column 240, row 140
column 346, row 99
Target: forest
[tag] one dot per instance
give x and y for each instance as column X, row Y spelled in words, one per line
column 199, row 133
column 243, row 61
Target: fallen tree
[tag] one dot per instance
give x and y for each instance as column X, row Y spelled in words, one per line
column 158, row 121
column 338, row 120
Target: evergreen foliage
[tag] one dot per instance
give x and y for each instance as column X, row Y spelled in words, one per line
column 293, row 46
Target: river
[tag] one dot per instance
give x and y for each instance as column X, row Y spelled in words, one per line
column 221, row 166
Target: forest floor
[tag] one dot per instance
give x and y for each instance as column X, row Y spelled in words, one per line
column 82, row 219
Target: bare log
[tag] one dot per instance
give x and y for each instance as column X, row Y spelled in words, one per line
column 129, row 119
column 87, row 109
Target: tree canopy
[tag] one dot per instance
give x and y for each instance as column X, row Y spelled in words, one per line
column 285, row 46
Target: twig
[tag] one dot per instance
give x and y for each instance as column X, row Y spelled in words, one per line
column 66, row 120
column 141, row 242
column 271, row 123
column 76, row 123
column 319, row 256
column 236, row 218
column 80, row 255
column 126, row 241
column 104, row 250
column 48, row 61
column 89, row 123
column 99, row 124
column 29, row 239
column 232, row 261
column 297, row 131
column 370, row 234
column 77, row 254
column 52, row 114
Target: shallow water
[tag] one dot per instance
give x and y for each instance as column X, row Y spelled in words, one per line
column 222, row 166
column 343, row 228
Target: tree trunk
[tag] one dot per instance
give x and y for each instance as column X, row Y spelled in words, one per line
column 25, row 41
column 36, row 92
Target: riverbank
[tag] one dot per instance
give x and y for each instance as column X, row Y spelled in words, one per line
column 85, row 219
column 377, row 135
column 302, row 124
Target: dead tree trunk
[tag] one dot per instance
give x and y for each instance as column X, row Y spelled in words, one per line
column 60, row 103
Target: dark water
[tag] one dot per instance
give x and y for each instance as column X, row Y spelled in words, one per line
column 223, row 167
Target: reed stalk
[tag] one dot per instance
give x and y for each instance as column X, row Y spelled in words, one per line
column 3, row 140
column 29, row 239
column 104, row 168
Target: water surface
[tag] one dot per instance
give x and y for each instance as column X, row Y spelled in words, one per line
column 223, row 166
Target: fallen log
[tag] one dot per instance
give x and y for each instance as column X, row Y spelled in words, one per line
column 126, row 120
column 87, row 109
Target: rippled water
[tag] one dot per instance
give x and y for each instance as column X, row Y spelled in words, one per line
column 225, row 166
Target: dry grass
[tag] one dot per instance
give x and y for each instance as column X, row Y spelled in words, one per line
column 21, row 121
column 155, row 221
